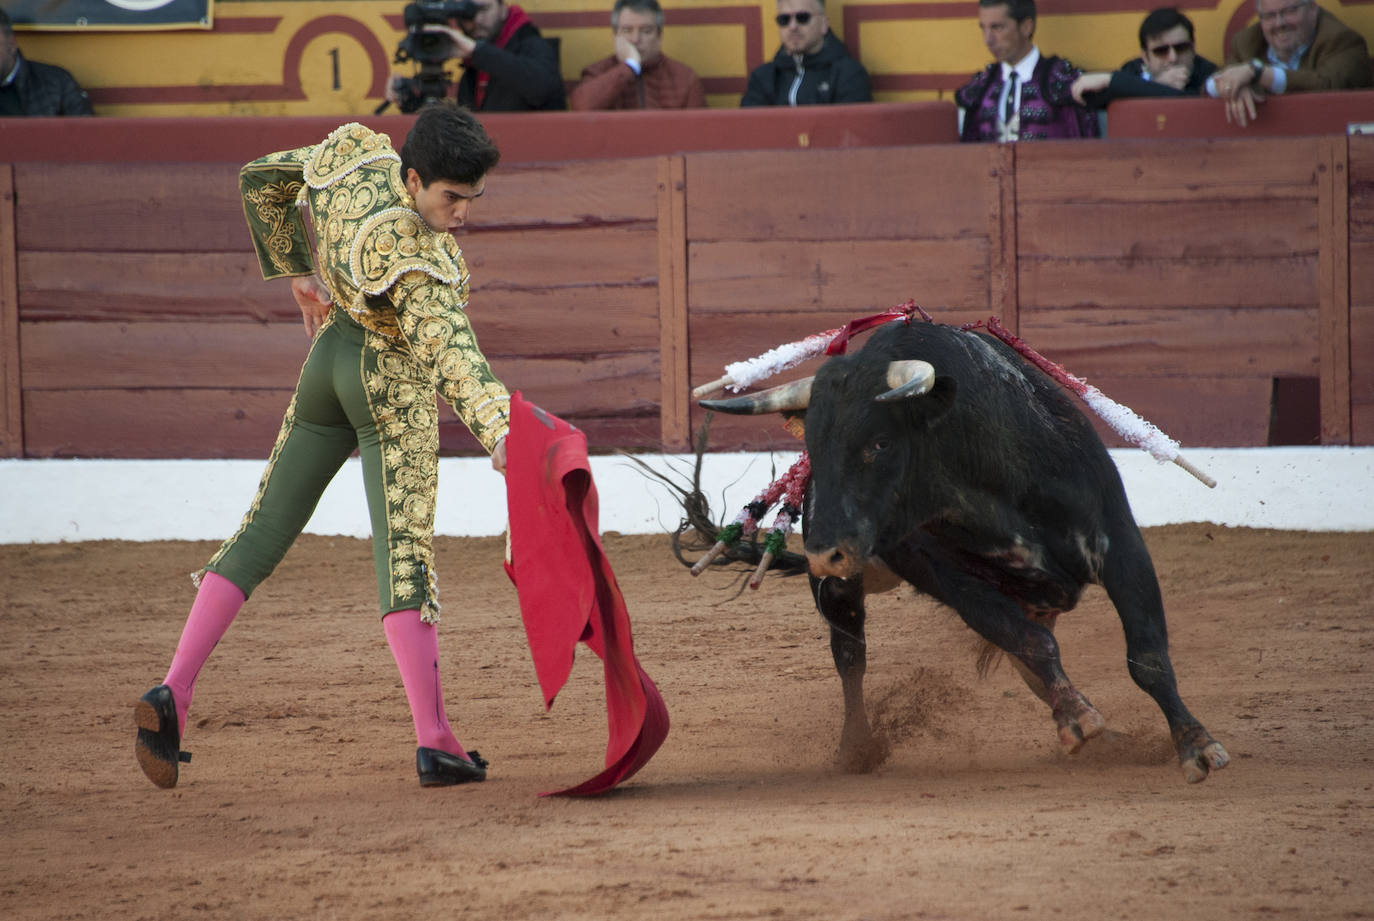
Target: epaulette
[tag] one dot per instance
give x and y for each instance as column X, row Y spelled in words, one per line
column 347, row 148
column 395, row 241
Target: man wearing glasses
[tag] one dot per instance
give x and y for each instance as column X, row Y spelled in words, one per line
column 813, row 67
column 1168, row 65
column 638, row 75
column 1295, row 47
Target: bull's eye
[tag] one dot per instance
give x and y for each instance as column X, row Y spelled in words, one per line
column 875, row 447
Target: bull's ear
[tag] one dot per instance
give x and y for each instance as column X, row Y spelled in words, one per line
column 940, row 399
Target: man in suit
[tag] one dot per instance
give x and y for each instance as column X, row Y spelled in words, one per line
column 1295, row 47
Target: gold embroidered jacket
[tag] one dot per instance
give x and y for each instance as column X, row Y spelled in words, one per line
column 383, row 265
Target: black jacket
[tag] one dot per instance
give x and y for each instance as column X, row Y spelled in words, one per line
column 524, row 75
column 828, row 76
column 42, row 89
column 1127, row 83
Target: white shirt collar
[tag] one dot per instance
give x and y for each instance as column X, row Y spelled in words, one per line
column 1025, row 68
column 14, row 72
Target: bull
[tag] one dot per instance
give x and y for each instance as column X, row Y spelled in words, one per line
column 940, row 457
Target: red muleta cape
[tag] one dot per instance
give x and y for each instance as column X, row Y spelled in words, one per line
column 567, row 590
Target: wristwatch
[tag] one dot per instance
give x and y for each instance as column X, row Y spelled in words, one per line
column 1257, row 66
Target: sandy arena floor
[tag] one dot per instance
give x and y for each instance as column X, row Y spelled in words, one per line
column 302, row 800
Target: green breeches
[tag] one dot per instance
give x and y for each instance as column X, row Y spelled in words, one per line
column 356, row 390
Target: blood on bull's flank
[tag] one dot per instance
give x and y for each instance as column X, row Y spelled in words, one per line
column 940, row 457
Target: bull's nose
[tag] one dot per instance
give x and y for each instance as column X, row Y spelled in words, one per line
column 834, row 561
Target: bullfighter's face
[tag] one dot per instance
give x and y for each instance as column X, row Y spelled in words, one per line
column 443, row 204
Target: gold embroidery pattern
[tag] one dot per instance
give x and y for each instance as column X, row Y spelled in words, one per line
column 348, row 147
column 270, row 204
column 433, row 321
column 408, row 428
column 393, row 242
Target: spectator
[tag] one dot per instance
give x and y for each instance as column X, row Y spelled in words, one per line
column 1168, row 65
column 1295, row 47
column 507, row 65
column 638, row 76
column 30, row 88
column 812, row 67
column 1021, row 95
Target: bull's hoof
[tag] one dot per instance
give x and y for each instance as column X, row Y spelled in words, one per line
column 1199, row 754
column 1080, row 727
column 863, row 757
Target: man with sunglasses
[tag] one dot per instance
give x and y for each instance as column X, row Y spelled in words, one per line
column 1294, row 47
column 1022, row 95
column 812, row 67
column 1168, row 65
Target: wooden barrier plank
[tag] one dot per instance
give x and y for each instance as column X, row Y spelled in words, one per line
column 63, row 356
column 523, row 137
column 1136, row 171
column 589, row 192
column 1360, row 219
column 672, row 299
column 176, row 420
column 1196, row 411
column 856, row 277
column 529, row 260
column 144, row 207
column 1150, row 343
column 1168, row 229
column 153, row 423
column 563, row 276
column 1333, row 293
column 11, row 410
column 123, row 285
column 1003, row 243
column 1240, row 281
column 826, row 195
column 1280, row 116
column 196, row 207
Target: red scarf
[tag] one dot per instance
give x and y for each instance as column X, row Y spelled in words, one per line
column 567, row 590
column 515, row 18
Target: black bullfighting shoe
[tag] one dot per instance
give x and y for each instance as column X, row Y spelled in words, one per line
column 158, row 745
column 440, row 769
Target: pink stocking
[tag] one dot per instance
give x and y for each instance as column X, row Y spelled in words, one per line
column 415, row 646
column 216, row 604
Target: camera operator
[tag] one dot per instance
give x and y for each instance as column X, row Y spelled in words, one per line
column 507, row 64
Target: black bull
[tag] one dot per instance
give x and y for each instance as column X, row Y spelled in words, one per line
column 968, row 473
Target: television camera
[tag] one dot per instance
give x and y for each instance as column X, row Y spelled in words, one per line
column 428, row 50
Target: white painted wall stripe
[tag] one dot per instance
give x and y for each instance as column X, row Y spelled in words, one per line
column 45, row 501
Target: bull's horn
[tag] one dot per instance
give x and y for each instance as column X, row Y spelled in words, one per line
column 788, row 397
column 910, row 378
